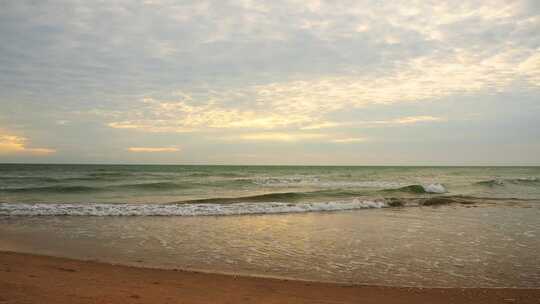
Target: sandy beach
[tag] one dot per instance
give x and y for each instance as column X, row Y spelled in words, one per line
column 26, row 278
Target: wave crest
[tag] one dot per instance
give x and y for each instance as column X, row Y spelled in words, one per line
column 52, row 189
column 182, row 209
column 430, row 188
column 503, row 181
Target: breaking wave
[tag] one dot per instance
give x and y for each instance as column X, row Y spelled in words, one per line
column 181, row 209
column 316, row 195
column 431, row 188
column 504, row 181
column 222, row 207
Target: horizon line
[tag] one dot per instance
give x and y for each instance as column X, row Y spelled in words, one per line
column 266, row 165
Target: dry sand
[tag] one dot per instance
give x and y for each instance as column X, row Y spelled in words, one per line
column 26, row 278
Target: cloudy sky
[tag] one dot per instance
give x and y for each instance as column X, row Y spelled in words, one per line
column 271, row 82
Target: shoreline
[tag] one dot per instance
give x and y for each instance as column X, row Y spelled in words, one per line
column 247, row 275
column 30, row 278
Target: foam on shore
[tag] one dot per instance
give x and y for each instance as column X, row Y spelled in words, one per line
column 90, row 209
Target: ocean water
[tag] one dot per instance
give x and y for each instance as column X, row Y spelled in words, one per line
column 406, row 226
column 232, row 190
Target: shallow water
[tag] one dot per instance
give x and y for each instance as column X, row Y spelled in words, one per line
column 488, row 245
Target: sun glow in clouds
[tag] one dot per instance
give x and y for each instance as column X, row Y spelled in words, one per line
column 409, row 120
column 11, row 144
column 283, row 137
column 153, row 149
column 304, row 104
column 349, row 140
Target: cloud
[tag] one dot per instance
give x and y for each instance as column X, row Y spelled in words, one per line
column 12, row 144
column 295, row 137
column 408, row 120
column 184, row 115
column 324, row 125
column 267, row 71
column 420, row 79
column 303, row 104
column 349, row 140
column 279, row 137
column 153, row 149
column 249, row 70
column 531, row 67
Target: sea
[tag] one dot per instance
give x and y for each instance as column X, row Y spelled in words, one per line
column 387, row 225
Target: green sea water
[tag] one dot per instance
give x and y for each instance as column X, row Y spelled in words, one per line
column 310, row 188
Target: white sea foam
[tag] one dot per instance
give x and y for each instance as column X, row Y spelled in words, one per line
column 435, row 188
column 21, row 209
column 296, row 181
column 527, row 179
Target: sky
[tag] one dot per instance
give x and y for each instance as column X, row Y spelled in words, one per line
column 291, row 82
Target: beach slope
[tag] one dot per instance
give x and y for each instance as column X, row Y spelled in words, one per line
column 26, row 278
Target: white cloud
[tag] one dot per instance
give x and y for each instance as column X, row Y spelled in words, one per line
column 531, row 67
column 304, row 104
column 185, row 116
column 279, row 137
column 153, row 149
column 325, row 125
column 349, row 140
column 409, row 120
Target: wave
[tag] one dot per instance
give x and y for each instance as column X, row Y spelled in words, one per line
column 491, row 183
column 46, row 179
column 110, row 175
column 505, row 181
column 169, row 186
column 213, row 208
column 15, row 178
column 317, row 181
column 288, row 202
column 150, row 186
column 442, row 200
column 199, row 174
column 164, row 186
column 279, row 197
column 419, row 189
column 81, row 189
column 158, row 186
column 283, row 181
column 386, row 185
column 24, row 209
column 286, row 196
column 215, row 174
column 267, row 197
column 52, row 189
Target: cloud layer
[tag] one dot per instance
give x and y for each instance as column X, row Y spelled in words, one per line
column 100, row 81
column 153, row 149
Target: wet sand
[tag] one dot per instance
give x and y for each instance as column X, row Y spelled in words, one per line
column 26, row 278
